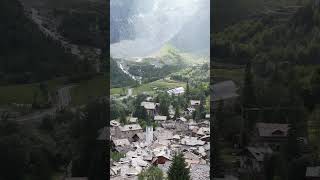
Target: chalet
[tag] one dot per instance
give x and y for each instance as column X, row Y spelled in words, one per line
column 161, row 158
column 200, row 171
column 150, row 107
column 182, row 119
column 176, row 91
column 192, row 141
column 160, row 118
column 194, row 103
column 114, row 123
column 149, row 99
column 163, row 134
column 252, row 158
column 313, row 173
column 132, row 120
column 225, row 91
column 120, row 142
column 203, row 131
column 128, row 131
column 272, row 134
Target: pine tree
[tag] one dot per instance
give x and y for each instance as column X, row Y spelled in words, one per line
column 178, row 169
column 292, row 145
column 315, row 85
column 216, row 169
column 248, row 95
column 177, row 113
column 123, row 118
column 249, row 98
column 152, row 173
column 187, row 94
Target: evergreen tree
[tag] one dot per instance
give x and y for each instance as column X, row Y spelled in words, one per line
column 187, row 94
column 177, row 113
column 178, row 169
column 249, row 98
column 292, row 144
column 216, row 169
column 123, row 118
column 152, row 173
column 164, row 104
column 315, row 85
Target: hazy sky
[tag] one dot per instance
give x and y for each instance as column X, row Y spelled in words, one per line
column 152, row 23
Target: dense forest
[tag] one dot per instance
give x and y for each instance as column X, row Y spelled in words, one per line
column 83, row 26
column 279, row 84
column 117, row 77
column 26, row 55
column 271, row 39
column 234, row 11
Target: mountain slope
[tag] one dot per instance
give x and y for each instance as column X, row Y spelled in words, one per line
column 271, row 39
column 26, row 55
column 227, row 12
column 117, row 77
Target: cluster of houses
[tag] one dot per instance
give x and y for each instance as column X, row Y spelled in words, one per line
column 149, row 146
column 266, row 138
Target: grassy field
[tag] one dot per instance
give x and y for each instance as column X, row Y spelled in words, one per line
column 159, row 84
column 85, row 90
column 25, row 93
column 149, row 87
column 232, row 74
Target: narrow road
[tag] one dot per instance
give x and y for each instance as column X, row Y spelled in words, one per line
column 129, row 94
column 64, row 100
column 37, row 116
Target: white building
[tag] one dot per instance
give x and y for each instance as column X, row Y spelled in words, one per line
column 176, row 91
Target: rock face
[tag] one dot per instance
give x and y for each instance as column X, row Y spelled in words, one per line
column 140, row 28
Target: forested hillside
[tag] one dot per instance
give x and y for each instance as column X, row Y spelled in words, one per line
column 272, row 39
column 118, row 77
column 26, row 55
column 234, row 11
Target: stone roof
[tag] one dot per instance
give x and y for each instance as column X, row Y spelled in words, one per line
column 224, row 90
column 182, row 119
column 272, row 129
column 200, row 171
column 160, row 118
column 162, row 134
column 130, row 127
column 148, row 105
column 203, row 131
column 313, row 171
column 195, row 102
column 133, row 119
column 176, row 91
column 259, row 152
column 114, row 123
column 192, row 141
column 121, row 142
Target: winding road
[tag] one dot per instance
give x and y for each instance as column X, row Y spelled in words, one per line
column 63, row 100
